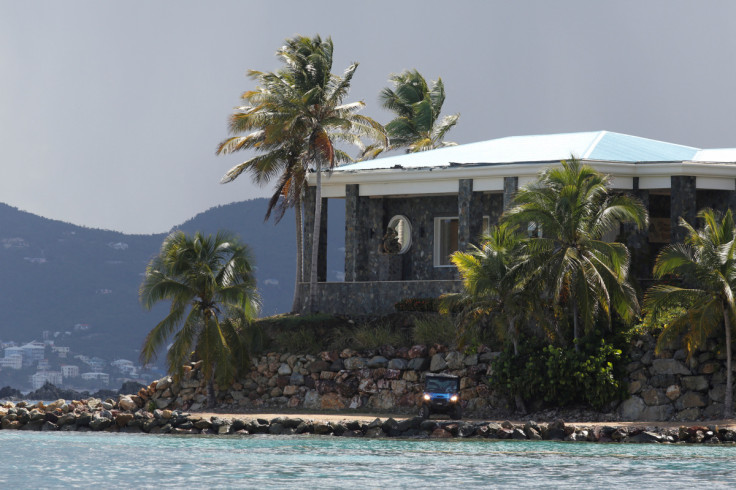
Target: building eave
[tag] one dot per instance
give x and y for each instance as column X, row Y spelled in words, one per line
column 489, row 177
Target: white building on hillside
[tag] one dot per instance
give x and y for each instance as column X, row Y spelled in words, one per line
column 41, row 377
column 69, row 371
column 104, row 377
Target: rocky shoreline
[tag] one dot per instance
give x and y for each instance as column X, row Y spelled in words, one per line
column 126, row 416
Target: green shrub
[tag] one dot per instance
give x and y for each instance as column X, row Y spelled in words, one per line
column 374, row 336
column 368, row 336
column 422, row 305
column 432, row 329
column 300, row 340
column 561, row 377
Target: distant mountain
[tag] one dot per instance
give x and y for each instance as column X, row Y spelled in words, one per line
column 81, row 284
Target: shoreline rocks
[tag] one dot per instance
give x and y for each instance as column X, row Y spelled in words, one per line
column 112, row 416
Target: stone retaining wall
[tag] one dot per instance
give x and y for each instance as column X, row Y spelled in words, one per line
column 376, row 297
column 391, row 380
column 672, row 387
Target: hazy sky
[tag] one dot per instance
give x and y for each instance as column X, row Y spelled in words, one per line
column 110, row 112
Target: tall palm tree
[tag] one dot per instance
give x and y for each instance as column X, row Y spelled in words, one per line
column 417, row 106
column 573, row 210
column 295, row 116
column 706, row 263
column 318, row 112
column 211, row 286
column 282, row 153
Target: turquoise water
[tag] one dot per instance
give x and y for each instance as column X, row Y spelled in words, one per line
column 64, row 459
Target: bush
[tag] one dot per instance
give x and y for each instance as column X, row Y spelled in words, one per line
column 561, row 377
column 432, row 329
column 298, row 340
column 363, row 337
column 422, row 305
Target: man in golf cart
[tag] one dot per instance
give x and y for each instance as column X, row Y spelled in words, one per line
column 441, row 395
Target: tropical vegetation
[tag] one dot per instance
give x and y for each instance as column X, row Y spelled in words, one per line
column 554, row 287
column 417, row 107
column 703, row 304
column 572, row 212
column 297, row 116
column 211, row 288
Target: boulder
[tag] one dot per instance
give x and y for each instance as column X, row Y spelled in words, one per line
column 654, row 396
column 417, row 351
column 438, row 363
column 658, row 412
column 418, row 364
column 454, row 360
column 353, row 363
column 673, row 392
column 632, row 408
column 332, row 401
column 669, row 366
column 691, row 399
column 694, row 383
column 398, row 364
column 377, row 362
column 127, row 403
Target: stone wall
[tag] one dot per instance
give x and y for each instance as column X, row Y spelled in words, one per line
column 385, row 380
column 391, row 380
column 672, row 387
column 372, row 298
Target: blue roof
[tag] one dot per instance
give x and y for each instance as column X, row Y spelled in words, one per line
column 619, row 147
column 593, row 145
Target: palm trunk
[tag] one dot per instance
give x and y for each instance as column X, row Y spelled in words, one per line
column 315, row 239
column 211, row 400
column 728, row 398
column 297, row 304
column 575, row 333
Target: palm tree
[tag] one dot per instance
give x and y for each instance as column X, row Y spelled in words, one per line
column 572, row 210
column 211, row 286
column 282, row 153
column 706, row 264
column 417, row 107
column 296, row 115
column 316, row 111
column 492, row 289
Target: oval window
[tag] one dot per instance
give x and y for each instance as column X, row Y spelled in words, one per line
column 397, row 239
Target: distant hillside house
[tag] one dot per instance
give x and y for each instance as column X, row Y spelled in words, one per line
column 69, row 371
column 41, row 377
column 405, row 215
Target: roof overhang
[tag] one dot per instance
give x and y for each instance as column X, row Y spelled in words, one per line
column 489, row 177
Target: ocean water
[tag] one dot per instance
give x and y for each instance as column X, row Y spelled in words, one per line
column 69, row 459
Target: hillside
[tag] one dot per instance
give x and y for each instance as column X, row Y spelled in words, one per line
column 81, row 284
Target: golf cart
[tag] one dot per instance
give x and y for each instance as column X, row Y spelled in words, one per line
column 441, row 395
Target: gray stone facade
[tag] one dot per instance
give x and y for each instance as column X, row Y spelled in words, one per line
column 406, row 275
column 374, row 297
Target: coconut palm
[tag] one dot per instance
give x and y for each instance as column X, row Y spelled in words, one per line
column 417, row 106
column 211, row 286
column 316, row 111
column 281, row 153
column 492, row 289
column 706, row 264
column 296, row 116
column 572, row 210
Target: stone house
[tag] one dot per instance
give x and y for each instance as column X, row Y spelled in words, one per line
column 405, row 214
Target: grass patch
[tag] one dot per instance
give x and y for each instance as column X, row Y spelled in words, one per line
column 431, row 329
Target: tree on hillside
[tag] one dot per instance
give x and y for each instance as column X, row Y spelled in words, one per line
column 572, row 210
column 706, row 264
column 417, row 106
column 299, row 110
column 210, row 284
